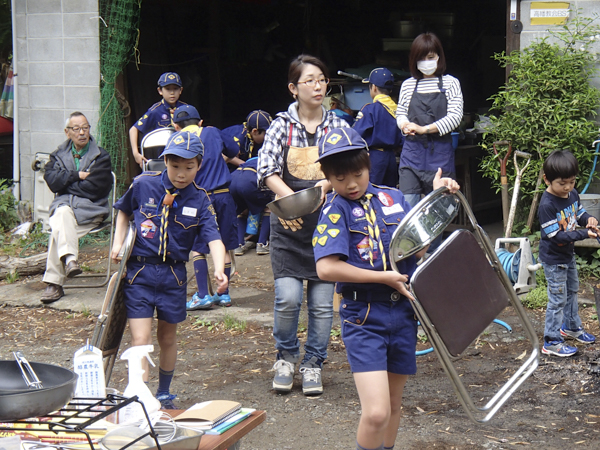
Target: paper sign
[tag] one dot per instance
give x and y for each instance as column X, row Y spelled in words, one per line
column 88, row 365
column 549, row 13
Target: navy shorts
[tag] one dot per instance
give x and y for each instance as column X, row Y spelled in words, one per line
column 155, row 286
column 227, row 220
column 380, row 336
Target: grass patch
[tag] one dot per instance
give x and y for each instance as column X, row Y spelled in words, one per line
column 232, row 323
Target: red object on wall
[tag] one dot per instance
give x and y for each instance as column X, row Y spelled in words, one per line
column 6, row 126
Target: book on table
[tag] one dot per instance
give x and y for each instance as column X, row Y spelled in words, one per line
column 233, row 420
column 206, row 415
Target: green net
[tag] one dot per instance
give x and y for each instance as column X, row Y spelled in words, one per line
column 118, row 36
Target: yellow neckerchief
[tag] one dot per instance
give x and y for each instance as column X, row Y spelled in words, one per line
column 373, row 228
column 164, row 222
column 387, row 102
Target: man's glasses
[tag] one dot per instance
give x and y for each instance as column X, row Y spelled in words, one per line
column 78, row 129
column 313, row 83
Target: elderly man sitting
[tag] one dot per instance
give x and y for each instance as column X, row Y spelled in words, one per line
column 79, row 173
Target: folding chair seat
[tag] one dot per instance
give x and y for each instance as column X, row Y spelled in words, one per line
column 459, row 291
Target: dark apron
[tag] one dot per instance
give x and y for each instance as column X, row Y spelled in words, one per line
column 292, row 252
column 423, row 154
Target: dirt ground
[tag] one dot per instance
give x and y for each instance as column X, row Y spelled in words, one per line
column 557, row 407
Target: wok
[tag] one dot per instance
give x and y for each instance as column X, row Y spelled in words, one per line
column 19, row 402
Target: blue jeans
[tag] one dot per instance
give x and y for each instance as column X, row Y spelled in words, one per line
column 563, row 284
column 288, row 301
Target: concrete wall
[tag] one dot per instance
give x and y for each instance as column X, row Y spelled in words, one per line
column 58, row 72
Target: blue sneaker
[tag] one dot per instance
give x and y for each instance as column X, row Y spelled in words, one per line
column 199, row 303
column 222, row 300
column 579, row 335
column 166, row 401
column 558, row 348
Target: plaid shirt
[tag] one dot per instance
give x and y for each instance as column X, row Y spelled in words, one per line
column 270, row 155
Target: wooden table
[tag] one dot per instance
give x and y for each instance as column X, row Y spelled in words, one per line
column 229, row 440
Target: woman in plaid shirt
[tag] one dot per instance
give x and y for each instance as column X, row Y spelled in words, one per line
column 286, row 164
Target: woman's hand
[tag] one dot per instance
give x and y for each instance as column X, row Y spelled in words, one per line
column 294, row 225
column 439, row 182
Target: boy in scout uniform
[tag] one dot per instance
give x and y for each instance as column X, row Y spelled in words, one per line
column 170, row 212
column 159, row 115
column 351, row 243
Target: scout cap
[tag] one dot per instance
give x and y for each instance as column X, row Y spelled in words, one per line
column 169, row 78
column 340, row 140
column 381, row 77
column 258, row 119
column 185, row 145
column 185, row 112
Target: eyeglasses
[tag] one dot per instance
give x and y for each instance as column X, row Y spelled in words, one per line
column 78, row 129
column 313, row 83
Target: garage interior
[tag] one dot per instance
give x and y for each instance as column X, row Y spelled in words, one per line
column 233, row 55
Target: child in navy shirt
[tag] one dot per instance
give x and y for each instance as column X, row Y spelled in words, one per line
column 215, row 178
column 351, row 245
column 376, row 124
column 169, row 212
column 560, row 212
column 159, row 115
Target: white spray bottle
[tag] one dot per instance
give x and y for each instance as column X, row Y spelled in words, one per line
column 136, row 386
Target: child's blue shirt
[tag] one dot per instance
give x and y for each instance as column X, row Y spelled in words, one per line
column 236, row 139
column 214, row 173
column 558, row 221
column 158, row 116
column 378, row 127
column 342, row 231
column 191, row 215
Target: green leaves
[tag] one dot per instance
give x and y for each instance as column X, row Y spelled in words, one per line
column 547, row 102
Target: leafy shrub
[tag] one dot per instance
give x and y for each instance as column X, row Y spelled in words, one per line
column 8, row 207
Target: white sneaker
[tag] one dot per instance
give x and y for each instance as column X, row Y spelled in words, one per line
column 262, row 249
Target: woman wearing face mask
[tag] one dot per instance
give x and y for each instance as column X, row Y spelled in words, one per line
column 430, row 106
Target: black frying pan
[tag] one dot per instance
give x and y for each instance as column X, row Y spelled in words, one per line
column 19, row 402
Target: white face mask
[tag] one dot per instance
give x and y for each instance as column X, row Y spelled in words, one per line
column 427, row 67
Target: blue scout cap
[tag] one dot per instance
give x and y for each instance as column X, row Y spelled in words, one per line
column 381, row 77
column 169, row 78
column 258, row 119
column 184, row 144
column 185, row 112
column 340, row 140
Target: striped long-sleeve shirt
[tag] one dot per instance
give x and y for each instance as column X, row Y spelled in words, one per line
column 427, row 86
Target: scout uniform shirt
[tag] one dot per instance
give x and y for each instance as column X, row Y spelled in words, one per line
column 158, row 116
column 342, row 230
column 191, row 215
column 237, row 139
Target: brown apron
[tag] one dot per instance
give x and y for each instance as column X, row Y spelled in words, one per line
column 291, row 251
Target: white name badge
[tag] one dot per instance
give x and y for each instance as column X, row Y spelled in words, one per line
column 395, row 208
column 189, row 211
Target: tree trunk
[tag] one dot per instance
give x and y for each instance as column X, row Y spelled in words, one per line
column 31, row 265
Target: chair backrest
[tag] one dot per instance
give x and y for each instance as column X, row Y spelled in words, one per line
column 154, row 143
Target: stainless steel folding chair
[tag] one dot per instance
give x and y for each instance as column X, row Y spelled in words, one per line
column 112, row 320
column 152, row 146
column 459, row 291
